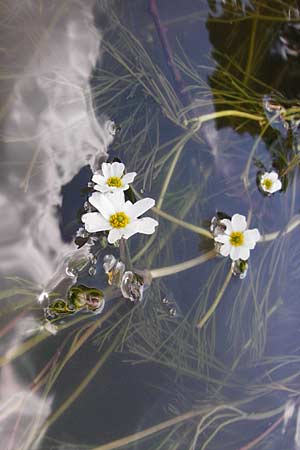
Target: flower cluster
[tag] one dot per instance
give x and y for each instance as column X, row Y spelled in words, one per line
column 115, row 214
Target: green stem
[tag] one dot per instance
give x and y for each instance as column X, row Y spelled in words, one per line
column 251, row 49
column 176, row 268
column 179, row 147
column 179, row 419
column 227, row 113
column 216, row 302
column 182, row 223
column 149, row 431
column 271, row 236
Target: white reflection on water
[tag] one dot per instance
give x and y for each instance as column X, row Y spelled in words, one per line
column 49, row 120
column 48, row 132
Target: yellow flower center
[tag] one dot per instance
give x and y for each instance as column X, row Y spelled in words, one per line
column 119, row 220
column 236, row 238
column 114, row 182
column 267, row 183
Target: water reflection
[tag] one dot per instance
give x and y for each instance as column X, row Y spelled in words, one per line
column 48, row 133
column 231, row 381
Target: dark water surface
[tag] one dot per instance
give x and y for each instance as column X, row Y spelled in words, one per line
column 144, row 376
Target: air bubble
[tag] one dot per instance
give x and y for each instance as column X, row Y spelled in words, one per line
column 172, row 312
column 92, row 271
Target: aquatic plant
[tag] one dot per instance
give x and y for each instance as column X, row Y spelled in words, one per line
column 217, row 356
column 121, row 218
column 112, row 178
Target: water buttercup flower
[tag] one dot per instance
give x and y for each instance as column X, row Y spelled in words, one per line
column 270, row 182
column 118, row 217
column 112, row 178
column 236, row 240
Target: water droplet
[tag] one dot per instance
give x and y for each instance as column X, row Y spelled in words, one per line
column 132, row 286
column 86, row 206
column 43, row 297
column 172, row 312
column 165, row 301
column 90, row 184
column 71, row 272
column 92, row 271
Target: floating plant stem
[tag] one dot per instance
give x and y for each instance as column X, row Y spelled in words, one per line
column 176, row 268
column 216, row 302
column 259, row 438
column 132, row 438
column 251, row 49
column 149, row 431
column 179, row 147
column 294, row 223
column 227, row 113
column 182, row 223
column 245, row 175
column 76, row 393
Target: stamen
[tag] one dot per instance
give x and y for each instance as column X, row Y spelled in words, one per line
column 114, row 182
column 119, row 220
column 236, row 238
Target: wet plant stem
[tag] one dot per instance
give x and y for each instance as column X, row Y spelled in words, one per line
column 76, row 345
column 182, row 223
column 75, row 394
column 149, row 431
column 251, row 49
column 176, row 268
column 178, row 150
column 227, row 113
column 180, row 419
column 294, row 223
column 162, row 33
column 259, row 438
column 216, row 302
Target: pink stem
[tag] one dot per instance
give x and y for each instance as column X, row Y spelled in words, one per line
column 162, row 33
column 263, row 435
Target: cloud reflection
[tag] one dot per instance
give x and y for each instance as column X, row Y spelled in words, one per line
column 48, row 133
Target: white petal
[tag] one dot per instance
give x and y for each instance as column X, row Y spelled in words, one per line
column 147, row 225
column 130, row 230
column 228, row 225
column 225, row 249
column 129, row 177
column 273, row 176
column 244, row 252
column 114, row 235
column 277, row 185
column 102, row 203
column 238, row 222
column 106, row 170
column 140, row 207
column 251, row 237
column 235, row 253
column 95, row 222
column 117, row 169
column 117, row 199
column 102, row 188
column 99, row 179
column 223, row 238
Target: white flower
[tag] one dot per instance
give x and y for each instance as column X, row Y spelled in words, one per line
column 119, row 217
column 112, row 178
column 270, row 182
column 237, row 240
